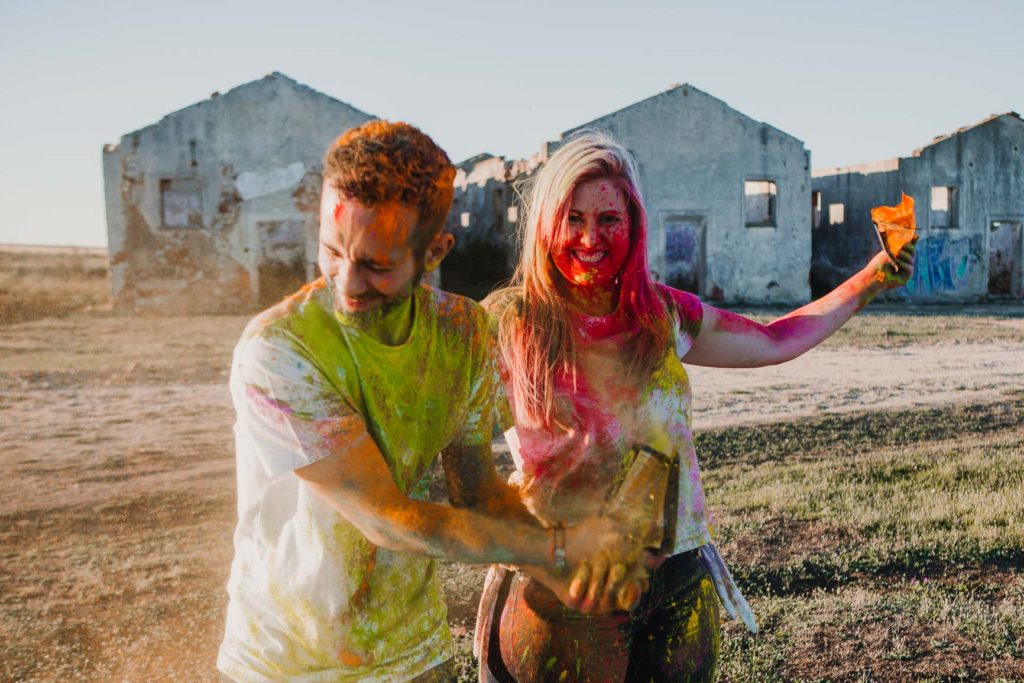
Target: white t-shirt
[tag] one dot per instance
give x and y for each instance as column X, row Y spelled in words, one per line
column 311, row 599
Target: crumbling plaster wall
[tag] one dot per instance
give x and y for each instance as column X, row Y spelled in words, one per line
column 842, row 249
column 986, row 165
column 255, row 153
column 484, row 251
column 694, row 154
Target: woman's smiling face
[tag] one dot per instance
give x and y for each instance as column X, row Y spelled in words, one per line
column 594, row 241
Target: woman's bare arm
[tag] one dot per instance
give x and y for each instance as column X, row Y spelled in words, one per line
column 730, row 340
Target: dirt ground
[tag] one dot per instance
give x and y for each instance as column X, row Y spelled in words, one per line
column 117, row 475
column 836, row 379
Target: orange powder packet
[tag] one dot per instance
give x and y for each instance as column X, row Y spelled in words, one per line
column 895, row 226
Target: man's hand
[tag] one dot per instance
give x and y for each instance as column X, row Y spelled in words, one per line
column 889, row 275
column 610, row 571
column 622, row 589
column 473, row 483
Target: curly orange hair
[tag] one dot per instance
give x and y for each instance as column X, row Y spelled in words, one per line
column 384, row 161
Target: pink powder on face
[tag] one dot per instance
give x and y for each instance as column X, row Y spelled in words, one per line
column 592, row 235
column 339, row 209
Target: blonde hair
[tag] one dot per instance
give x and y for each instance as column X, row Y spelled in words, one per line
column 534, row 332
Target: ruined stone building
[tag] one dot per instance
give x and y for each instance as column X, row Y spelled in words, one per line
column 728, row 199
column 968, row 189
column 215, row 207
column 484, row 215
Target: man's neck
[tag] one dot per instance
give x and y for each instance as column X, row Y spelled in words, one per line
column 394, row 328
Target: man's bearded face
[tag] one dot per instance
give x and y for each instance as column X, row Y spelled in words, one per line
column 367, row 257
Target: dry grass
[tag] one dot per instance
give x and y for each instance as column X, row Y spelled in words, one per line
column 877, row 555
column 874, row 546
column 45, row 282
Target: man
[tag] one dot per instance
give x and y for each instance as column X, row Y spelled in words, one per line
column 345, row 393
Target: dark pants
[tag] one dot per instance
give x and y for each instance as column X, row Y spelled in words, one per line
column 673, row 635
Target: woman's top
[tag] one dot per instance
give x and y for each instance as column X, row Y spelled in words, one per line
column 565, row 472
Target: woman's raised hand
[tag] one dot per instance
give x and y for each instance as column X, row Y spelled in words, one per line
column 892, row 275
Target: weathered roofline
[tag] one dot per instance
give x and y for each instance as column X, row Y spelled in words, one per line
column 237, row 88
column 475, row 159
column 671, row 91
column 888, row 165
column 985, row 121
column 526, row 165
column 884, row 166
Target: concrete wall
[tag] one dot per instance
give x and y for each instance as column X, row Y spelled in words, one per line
column 840, row 249
column 215, row 208
column 694, row 154
column 985, row 163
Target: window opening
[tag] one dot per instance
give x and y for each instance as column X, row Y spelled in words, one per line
column 181, row 203
column 944, row 207
column 836, row 214
column 759, row 203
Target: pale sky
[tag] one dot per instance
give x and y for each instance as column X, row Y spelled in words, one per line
column 855, row 81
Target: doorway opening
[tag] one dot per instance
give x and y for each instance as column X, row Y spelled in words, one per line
column 684, row 252
column 1004, row 258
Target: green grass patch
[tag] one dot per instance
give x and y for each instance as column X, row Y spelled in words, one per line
column 876, row 546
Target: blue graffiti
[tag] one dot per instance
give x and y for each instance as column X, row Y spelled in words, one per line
column 942, row 264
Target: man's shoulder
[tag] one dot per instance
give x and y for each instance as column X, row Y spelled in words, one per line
column 294, row 311
column 290, row 329
column 498, row 302
column 293, row 342
column 453, row 312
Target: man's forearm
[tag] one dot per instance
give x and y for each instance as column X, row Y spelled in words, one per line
column 501, row 501
column 458, row 534
column 471, row 536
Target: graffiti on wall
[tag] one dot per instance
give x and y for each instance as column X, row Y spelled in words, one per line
column 942, row 265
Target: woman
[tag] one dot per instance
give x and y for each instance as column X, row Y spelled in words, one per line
column 591, row 351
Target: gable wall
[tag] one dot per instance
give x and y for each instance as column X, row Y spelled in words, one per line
column 694, row 154
column 986, row 165
column 255, row 154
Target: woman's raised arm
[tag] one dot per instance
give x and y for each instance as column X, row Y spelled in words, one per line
column 730, row 340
